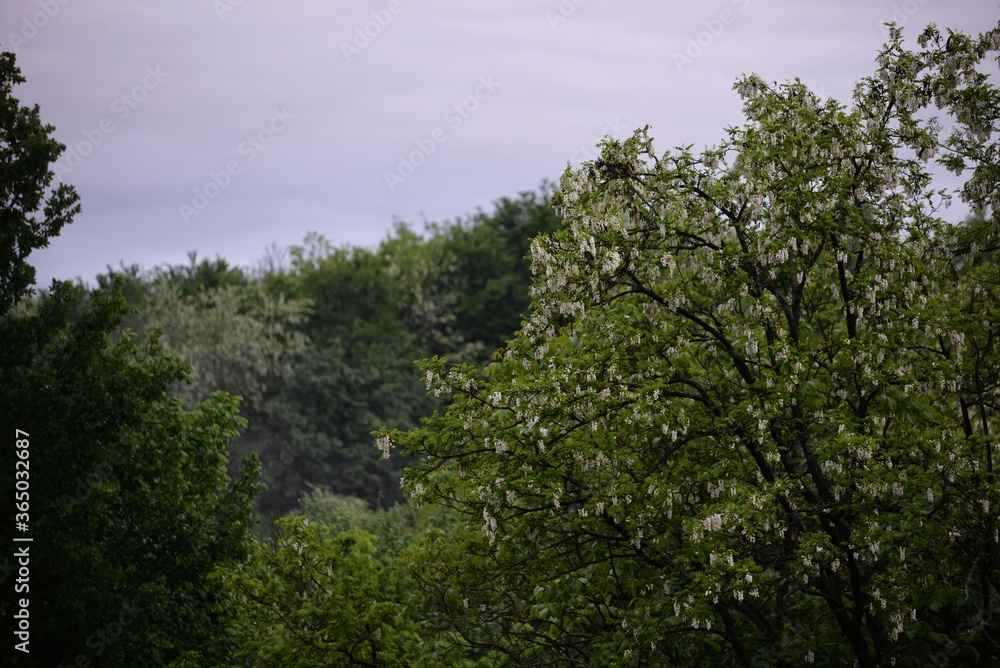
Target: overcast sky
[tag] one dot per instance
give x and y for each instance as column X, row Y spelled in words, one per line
column 225, row 125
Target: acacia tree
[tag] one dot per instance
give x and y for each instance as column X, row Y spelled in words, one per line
column 752, row 416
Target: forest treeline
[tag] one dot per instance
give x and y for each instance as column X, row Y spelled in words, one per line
column 320, row 341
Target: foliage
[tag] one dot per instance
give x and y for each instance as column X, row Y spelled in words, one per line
column 333, row 591
column 238, row 339
column 423, row 270
column 135, row 287
column 315, row 601
column 196, row 277
column 131, row 507
column 355, row 376
column 752, row 416
column 490, row 275
column 26, row 151
column 317, row 432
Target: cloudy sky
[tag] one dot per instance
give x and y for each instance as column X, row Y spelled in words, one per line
column 222, row 126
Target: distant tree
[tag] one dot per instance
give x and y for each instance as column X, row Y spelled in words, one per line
column 356, row 375
column 196, row 277
column 238, row 339
column 317, row 433
column 374, row 312
column 489, row 270
column 355, row 299
column 275, row 261
column 423, row 270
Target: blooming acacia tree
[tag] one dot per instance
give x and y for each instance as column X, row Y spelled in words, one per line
column 751, row 417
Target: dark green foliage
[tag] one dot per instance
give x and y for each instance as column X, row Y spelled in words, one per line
column 135, row 287
column 334, row 589
column 131, row 506
column 196, row 277
column 318, row 431
column 492, row 271
column 457, row 293
column 357, row 374
column 26, row 151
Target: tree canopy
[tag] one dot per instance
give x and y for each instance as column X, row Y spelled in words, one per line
column 752, row 415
